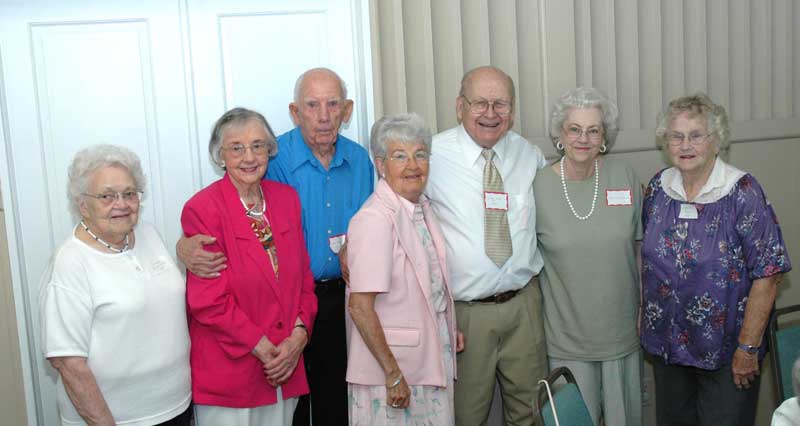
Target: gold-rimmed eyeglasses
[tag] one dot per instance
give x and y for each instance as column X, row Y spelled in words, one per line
column 108, row 198
column 402, row 158
column 695, row 138
column 238, row 150
column 480, row 106
column 575, row 132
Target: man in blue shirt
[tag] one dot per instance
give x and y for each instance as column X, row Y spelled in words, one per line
column 333, row 176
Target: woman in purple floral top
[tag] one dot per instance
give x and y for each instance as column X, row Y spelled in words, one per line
column 712, row 257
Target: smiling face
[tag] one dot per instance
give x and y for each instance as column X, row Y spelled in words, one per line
column 320, row 110
column 112, row 221
column 248, row 167
column 687, row 157
column 582, row 134
column 405, row 168
column 487, row 128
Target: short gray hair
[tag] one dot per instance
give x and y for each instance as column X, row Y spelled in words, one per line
column 584, row 98
column 405, row 128
column 298, row 85
column 89, row 160
column 697, row 105
column 234, row 118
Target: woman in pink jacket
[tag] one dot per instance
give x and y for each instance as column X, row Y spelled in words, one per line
column 248, row 325
column 402, row 328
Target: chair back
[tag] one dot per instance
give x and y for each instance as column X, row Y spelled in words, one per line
column 785, row 348
column 567, row 399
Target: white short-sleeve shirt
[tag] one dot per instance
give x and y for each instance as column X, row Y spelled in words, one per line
column 125, row 313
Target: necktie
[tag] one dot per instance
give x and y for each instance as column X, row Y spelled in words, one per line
column 497, row 237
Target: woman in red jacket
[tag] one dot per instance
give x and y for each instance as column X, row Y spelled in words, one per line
column 248, row 325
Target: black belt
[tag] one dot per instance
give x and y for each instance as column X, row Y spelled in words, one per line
column 499, row 297
column 330, row 282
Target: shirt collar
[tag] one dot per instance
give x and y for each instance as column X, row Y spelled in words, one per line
column 301, row 153
column 474, row 152
column 719, row 184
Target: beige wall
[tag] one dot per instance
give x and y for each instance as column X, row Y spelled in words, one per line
column 12, row 396
column 744, row 54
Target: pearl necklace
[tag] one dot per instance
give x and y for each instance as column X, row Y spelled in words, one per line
column 249, row 212
column 107, row 245
column 594, row 197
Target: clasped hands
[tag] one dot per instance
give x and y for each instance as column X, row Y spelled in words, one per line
column 280, row 361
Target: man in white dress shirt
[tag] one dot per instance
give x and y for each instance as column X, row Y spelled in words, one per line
column 498, row 307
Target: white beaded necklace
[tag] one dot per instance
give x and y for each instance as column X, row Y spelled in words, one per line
column 594, row 197
column 249, row 212
column 101, row 241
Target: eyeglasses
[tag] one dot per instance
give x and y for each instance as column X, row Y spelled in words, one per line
column 402, row 158
column 238, row 150
column 108, row 198
column 695, row 138
column 480, row 106
column 574, row 132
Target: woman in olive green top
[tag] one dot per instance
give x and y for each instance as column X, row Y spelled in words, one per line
column 588, row 224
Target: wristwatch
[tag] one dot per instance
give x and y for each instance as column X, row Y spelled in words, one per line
column 748, row 348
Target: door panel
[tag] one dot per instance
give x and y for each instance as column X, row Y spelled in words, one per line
column 153, row 76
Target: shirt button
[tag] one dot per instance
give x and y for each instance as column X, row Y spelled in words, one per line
column 279, row 325
column 327, row 178
column 327, row 204
column 329, row 259
column 329, row 231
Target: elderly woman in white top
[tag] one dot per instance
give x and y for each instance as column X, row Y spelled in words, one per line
column 788, row 414
column 113, row 304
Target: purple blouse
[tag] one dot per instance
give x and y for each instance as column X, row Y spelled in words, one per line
column 698, row 273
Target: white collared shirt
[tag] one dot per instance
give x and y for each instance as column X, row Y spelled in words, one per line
column 455, row 188
column 719, row 184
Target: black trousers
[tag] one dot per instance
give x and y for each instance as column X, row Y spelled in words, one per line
column 692, row 396
column 183, row 419
column 326, row 361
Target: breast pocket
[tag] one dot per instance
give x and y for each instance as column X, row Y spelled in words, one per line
column 520, row 213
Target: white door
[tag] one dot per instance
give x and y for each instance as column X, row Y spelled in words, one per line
column 151, row 75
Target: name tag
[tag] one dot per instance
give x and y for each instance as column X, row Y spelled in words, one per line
column 619, row 197
column 336, row 242
column 495, row 200
column 688, row 211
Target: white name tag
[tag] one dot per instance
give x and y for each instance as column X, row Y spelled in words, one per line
column 336, row 242
column 495, row 200
column 688, row 211
column 619, row 197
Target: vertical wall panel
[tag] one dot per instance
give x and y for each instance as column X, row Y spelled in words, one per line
column 530, row 86
column 475, row 32
column 448, row 59
column 761, row 61
column 627, row 60
column 739, row 32
column 745, row 54
column 604, row 52
column 421, row 88
column 782, row 58
column 719, row 77
column 650, row 81
column 672, row 52
column 795, row 58
column 583, row 42
column 695, row 45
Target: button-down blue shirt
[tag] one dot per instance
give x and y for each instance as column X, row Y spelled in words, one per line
column 329, row 198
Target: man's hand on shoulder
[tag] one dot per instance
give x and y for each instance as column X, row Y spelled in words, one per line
column 203, row 263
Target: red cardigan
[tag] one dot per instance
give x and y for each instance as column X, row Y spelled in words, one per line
column 229, row 314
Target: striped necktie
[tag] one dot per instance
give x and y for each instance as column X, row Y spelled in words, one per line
column 497, row 236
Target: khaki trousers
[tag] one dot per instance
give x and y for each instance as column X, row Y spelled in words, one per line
column 504, row 342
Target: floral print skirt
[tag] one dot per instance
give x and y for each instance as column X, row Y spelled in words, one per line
column 429, row 405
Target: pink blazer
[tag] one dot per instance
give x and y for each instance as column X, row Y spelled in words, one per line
column 385, row 255
column 229, row 314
